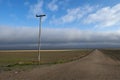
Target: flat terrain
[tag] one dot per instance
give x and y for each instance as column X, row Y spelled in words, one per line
column 95, row 66
column 47, row 56
column 28, row 59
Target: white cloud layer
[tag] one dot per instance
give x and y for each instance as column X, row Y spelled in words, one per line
column 74, row 14
column 105, row 17
column 57, row 37
column 53, row 6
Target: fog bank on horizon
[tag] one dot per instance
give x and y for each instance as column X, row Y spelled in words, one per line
column 57, row 38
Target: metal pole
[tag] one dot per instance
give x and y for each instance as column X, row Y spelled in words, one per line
column 40, row 24
column 39, row 41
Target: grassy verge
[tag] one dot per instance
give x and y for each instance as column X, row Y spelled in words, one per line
column 23, row 58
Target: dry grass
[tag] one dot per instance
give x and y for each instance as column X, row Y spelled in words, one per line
column 47, row 56
column 113, row 53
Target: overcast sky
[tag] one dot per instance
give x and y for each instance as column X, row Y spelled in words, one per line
column 68, row 24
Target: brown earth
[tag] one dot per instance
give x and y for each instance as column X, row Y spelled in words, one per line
column 95, row 66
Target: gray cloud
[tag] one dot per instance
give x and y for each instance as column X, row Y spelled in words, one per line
column 27, row 38
column 18, row 35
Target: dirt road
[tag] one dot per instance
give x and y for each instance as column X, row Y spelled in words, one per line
column 95, row 66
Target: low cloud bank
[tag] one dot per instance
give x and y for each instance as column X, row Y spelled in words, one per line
column 56, row 38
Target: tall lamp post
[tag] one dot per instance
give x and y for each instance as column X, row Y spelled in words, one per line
column 40, row 24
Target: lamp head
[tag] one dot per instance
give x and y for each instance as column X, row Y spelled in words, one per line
column 40, row 15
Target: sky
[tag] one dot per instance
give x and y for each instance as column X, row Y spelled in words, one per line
column 68, row 24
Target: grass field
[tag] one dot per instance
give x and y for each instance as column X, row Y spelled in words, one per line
column 113, row 53
column 12, row 57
